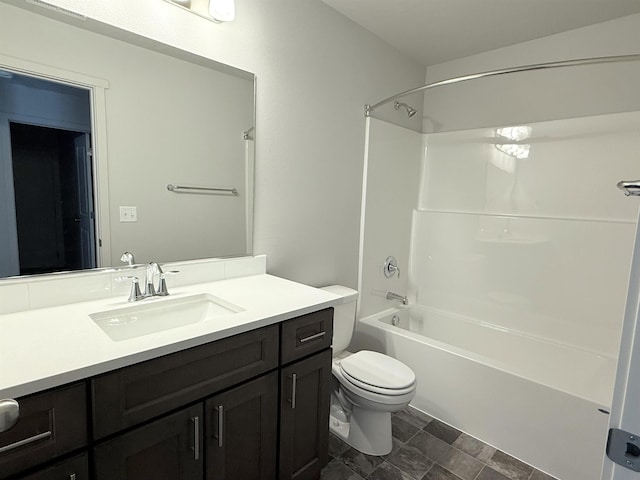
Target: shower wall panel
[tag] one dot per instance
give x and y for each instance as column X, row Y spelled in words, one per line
column 392, row 179
column 540, row 245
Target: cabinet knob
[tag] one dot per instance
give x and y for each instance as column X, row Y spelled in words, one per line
column 9, row 413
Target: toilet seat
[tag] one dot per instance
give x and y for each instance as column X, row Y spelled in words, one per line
column 378, row 373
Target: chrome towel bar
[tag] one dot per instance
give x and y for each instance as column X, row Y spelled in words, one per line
column 629, row 187
column 180, row 188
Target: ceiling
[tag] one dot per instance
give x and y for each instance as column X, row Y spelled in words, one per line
column 436, row 31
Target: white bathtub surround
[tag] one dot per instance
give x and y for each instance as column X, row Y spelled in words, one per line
column 42, row 291
column 48, row 347
column 518, row 408
column 531, row 256
column 390, row 192
column 545, row 248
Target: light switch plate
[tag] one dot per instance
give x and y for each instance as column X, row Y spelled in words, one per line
column 128, row 214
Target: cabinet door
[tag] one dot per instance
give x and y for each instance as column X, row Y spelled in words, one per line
column 304, row 417
column 76, row 468
column 242, row 431
column 167, row 449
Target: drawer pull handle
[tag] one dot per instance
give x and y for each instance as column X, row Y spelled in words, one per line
column 294, row 384
column 26, row 441
column 220, row 410
column 196, row 437
column 311, row 337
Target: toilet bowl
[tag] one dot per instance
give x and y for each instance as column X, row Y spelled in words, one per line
column 367, row 386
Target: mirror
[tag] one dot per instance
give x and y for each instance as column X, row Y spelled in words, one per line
column 155, row 116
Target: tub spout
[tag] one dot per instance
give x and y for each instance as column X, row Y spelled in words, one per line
column 395, row 296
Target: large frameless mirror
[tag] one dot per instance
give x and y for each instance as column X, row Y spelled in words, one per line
column 109, row 146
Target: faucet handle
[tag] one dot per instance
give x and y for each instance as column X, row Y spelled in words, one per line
column 134, row 294
column 390, row 267
column 127, row 257
column 162, row 287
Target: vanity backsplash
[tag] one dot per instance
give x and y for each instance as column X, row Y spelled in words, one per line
column 44, row 291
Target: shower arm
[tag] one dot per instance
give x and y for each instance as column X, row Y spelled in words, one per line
column 368, row 109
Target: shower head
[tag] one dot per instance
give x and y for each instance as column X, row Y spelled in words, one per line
column 410, row 110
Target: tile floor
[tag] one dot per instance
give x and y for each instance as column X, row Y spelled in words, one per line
column 426, row 449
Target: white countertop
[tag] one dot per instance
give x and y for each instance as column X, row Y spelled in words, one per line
column 41, row 349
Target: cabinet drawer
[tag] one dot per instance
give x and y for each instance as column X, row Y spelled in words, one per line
column 305, row 335
column 76, row 468
column 134, row 394
column 50, row 424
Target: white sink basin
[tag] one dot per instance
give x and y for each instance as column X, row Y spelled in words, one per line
column 155, row 315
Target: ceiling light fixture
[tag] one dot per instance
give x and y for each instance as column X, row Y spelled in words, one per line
column 222, row 10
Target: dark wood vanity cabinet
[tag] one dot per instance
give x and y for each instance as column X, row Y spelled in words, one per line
column 254, row 406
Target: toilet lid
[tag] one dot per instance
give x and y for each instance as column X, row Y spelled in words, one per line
column 378, row 370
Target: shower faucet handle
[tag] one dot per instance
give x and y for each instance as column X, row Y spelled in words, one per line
column 390, row 267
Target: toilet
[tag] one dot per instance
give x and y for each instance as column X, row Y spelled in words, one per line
column 367, row 387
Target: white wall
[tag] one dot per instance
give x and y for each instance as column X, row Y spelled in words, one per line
column 543, row 95
column 315, row 71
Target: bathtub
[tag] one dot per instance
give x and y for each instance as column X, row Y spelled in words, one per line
column 535, row 399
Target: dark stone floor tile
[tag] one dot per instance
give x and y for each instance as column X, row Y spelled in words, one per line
column 337, row 446
column 490, row 474
column 414, row 417
column 359, row 462
column 439, row 473
column 396, row 444
column 430, row 446
column 411, row 461
column 443, row 431
column 474, row 447
column 510, row 467
column 463, row 465
column 401, row 429
column 336, row 470
column 538, row 475
column 387, row 471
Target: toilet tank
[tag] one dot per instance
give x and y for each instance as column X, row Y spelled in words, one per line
column 344, row 316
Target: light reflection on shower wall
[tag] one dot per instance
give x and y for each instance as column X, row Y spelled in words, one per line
column 542, row 248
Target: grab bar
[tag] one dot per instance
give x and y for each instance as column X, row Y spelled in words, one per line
column 178, row 188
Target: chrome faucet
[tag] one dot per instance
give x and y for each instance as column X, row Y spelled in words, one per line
column 395, row 296
column 153, row 269
column 149, row 288
column 127, row 257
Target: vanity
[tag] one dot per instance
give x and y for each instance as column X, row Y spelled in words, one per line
column 243, row 395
